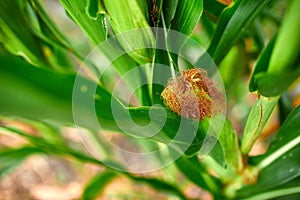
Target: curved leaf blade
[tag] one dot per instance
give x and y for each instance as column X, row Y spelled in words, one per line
column 281, row 162
column 38, row 93
column 94, row 29
column 286, row 139
column 11, row 158
column 262, row 64
column 286, row 50
column 16, row 33
column 187, row 15
column 194, row 171
column 97, row 185
column 270, row 85
column 232, row 24
column 213, row 8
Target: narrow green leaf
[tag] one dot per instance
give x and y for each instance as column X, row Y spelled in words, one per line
column 129, row 70
column 262, row 64
column 284, row 191
column 21, row 4
column 160, row 75
column 285, row 106
column 281, row 162
column 11, row 158
column 58, row 37
column 16, row 33
column 50, row 24
column 258, row 34
column 256, row 121
column 213, row 8
column 50, row 132
column 286, row 50
column 97, row 185
column 193, row 170
column 228, row 140
column 136, row 17
column 270, row 85
column 232, row 24
column 94, row 29
column 169, row 10
column 39, row 142
column 230, row 144
column 26, row 92
column 286, row 139
column 275, row 193
column 187, row 16
column 217, row 153
column 282, row 169
column 42, row 94
column 157, row 184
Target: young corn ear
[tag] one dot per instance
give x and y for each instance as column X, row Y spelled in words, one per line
column 193, row 95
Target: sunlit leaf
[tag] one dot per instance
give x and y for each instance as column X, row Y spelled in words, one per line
column 16, row 34
column 132, row 15
column 94, row 29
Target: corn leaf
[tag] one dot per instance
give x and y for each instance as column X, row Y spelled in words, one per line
column 284, row 59
column 230, row 145
column 290, row 190
column 262, row 64
column 169, row 9
column 187, row 16
column 232, row 24
column 129, row 15
column 158, row 184
column 16, row 33
column 194, row 171
column 276, row 64
column 11, row 158
column 270, row 85
column 42, row 94
column 281, row 163
column 213, row 8
column 94, row 29
column 97, row 185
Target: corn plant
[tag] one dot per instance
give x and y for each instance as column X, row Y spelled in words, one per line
column 161, row 75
